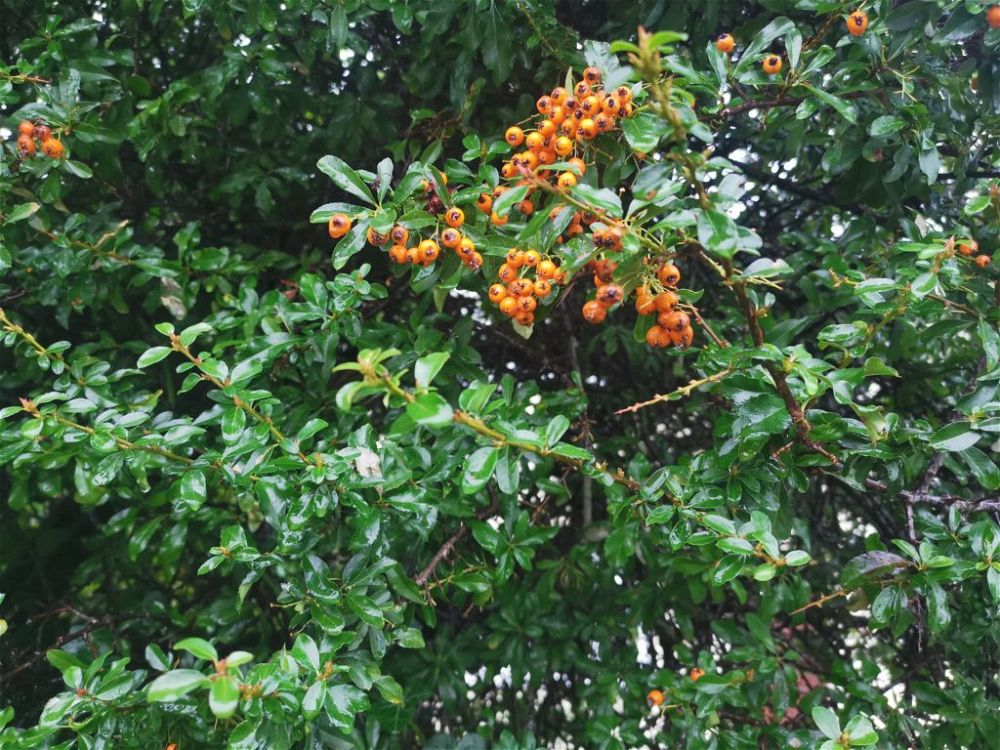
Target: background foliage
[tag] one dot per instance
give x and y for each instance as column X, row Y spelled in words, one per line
column 258, row 499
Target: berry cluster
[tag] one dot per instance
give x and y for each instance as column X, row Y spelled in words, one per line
column 517, row 296
column 29, row 132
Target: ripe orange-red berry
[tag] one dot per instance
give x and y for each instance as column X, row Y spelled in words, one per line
column 609, row 294
column 697, row 673
column 507, row 273
column 429, row 251
column 532, row 258
column 42, row 132
column 339, row 225
column 376, row 238
column 451, row 237
column 857, row 23
column 581, row 91
column 497, row 293
column 588, row 129
column 594, row 312
column 484, row 202
column 567, row 180
column 26, row 127
column 968, row 248
column 413, row 255
column 534, row 141
column 665, row 301
column 682, row 339
column 454, row 216
column 514, row 136
column 674, row 320
column 993, row 16
column 725, row 43
column 514, row 258
column 591, row 75
column 542, row 288
column 474, row 261
column 547, row 269
column 508, row 306
column 547, row 128
column 26, row 145
column 526, row 303
column 564, row 146
column 658, row 337
column 544, row 105
column 578, row 164
column 498, row 220
column 525, row 318
column 668, row 274
column 399, row 234
column 53, row 148
column 982, row 261
column 398, row 253
column 559, row 95
column 655, row 698
column 520, row 287
column 771, row 65
column 526, row 207
column 466, row 248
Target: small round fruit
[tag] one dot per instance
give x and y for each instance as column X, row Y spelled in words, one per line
column 547, row 269
column 982, row 261
column 857, row 23
column 376, row 238
column 534, row 141
column 508, row 306
column 532, row 258
column 497, row 293
column 451, row 237
column 993, row 16
column 454, row 216
column 520, row 288
column 594, row 312
column 507, row 273
column 725, row 43
column 771, row 65
column 559, row 95
column 604, row 122
column 665, row 301
column 547, row 128
column 557, row 116
column 484, row 202
column 578, row 164
column 624, row 93
column 527, row 303
column 588, row 129
column 25, row 145
column 429, row 251
column 655, row 698
column 570, row 126
column 581, row 91
column 674, row 320
column 567, row 180
column 514, row 258
column 525, row 318
column 413, row 255
column 611, row 104
column 526, row 207
column 564, row 146
column 609, row 294
column 53, row 148
column 697, row 673
column 398, row 253
column 514, row 136
column 668, row 275
column 466, row 248
column 399, row 234
column 498, row 220
column 339, row 225
column 968, row 248
column 26, row 127
column 658, row 337
column 542, row 288
column 474, row 261
column 591, row 75
column 544, row 105
column 682, row 339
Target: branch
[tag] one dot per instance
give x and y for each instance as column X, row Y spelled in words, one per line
column 445, row 549
column 684, row 390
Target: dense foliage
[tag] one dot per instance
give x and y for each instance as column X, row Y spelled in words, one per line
column 262, row 488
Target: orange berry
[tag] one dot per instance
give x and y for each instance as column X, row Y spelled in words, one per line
column 42, row 132
column 451, row 237
column 500, row 190
column 398, row 253
column 604, row 122
column 340, row 224
column 520, row 288
column 534, row 141
column 591, row 75
column 547, row 128
column 544, row 105
column 609, row 295
column 594, row 312
column 674, row 320
column 668, row 275
column 624, row 93
column 771, row 65
column 857, row 23
column 498, row 220
column 53, row 148
column 474, row 261
column 399, row 234
column 514, row 258
column 526, row 207
column 542, row 288
column 547, row 269
column 559, row 95
column 466, row 248
column 968, row 248
column 725, row 43
column 579, row 164
column 982, row 261
column 557, row 115
column 508, row 170
column 26, row 127
column 605, row 270
column 413, row 255
column 564, row 146
column 527, row 303
column 532, row 258
column 514, row 136
column 497, row 293
column 507, row 273
column 429, row 251
column 658, row 337
column 645, row 305
column 525, row 318
column 581, row 91
column 454, row 216
column 570, row 126
column 655, row 698
column 591, row 105
column 484, row 202
column 682, row 339
column 588, row 129
column 26, row 145
column 508, row 306
column 697, row 673
column 376, row 238
column 567, row 180
column 547, row 156
column 993, row 16
column 665, row 301
column 611, row 104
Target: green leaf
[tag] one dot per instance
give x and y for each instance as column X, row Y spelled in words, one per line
column 860, row 731
column 224, row 696
column 343, row 702
column 797, row 557
column 153, row 355
column 478, row 470
column 175, row 684
column 198, row 647
column 430, row 410
column 21, row 212
column 391, row 690
column 312, row 702
column 602, row 198
column 428, row 366
column 977, row 204
column 556, row 429
column 827, row 721
column 956, row 436
column 727, row 569
column 345, row 178
column 644, row 131
column 510, row 198
column 886, row 125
